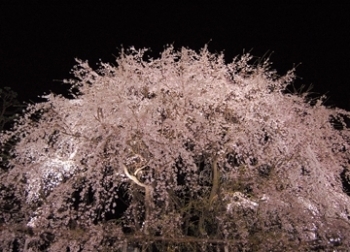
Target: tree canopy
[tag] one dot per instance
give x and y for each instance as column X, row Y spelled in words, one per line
column 180, row 153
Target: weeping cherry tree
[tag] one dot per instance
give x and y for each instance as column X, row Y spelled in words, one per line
column 180, row 153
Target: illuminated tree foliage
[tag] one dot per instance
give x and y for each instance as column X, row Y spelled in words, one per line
column 10, row 108
column 179, row 153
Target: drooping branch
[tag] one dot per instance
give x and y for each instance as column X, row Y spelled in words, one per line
column 215, row 186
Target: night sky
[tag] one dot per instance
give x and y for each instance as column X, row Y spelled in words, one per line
column 38, row 43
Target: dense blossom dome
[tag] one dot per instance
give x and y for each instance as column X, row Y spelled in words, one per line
column 183, row 151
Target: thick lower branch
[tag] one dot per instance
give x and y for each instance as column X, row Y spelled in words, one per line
column 148, row 196
column 213, row 194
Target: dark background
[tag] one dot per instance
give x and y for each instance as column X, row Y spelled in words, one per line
column 38, row 43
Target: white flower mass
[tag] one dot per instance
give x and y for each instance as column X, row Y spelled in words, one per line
column 184, row 148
